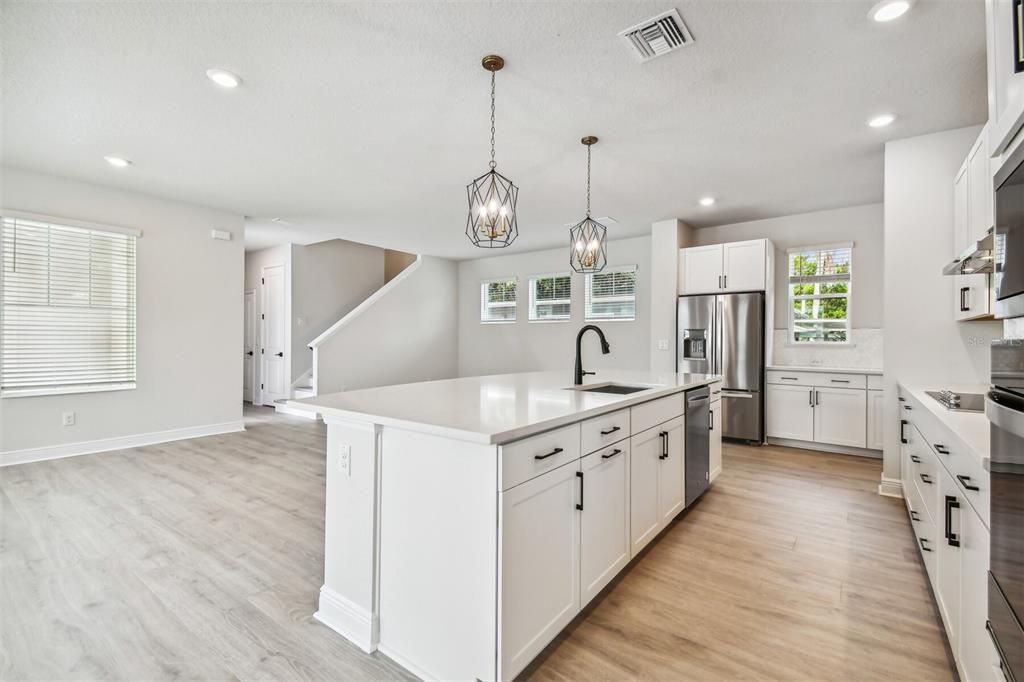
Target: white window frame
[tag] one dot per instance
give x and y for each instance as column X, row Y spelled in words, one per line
column 485, row 305
column 587, row 295
column 532, row 316
column 792, row 298
column 68, row 389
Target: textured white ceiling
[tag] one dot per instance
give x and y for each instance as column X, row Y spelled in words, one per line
column 366, row 120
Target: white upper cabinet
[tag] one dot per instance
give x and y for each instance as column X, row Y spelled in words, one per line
column 744, row 266
column 1005, row 86
column 700, row 269
column 973, row 198
column 736, row 266
column 982, row 197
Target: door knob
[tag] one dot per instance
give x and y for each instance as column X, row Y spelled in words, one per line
column 249, row 353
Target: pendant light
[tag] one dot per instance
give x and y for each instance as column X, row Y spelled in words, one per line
column 491, row 223
column 588, row 250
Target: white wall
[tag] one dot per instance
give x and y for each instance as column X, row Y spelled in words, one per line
column 328, row 280
column 405, row 332
column 862, row 225
column 667, row 237
column 525, row 346
column 189, row 319
column 923, row 343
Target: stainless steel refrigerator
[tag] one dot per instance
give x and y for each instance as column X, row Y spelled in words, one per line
column 724, row 334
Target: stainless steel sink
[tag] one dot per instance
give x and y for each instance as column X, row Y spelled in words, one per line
column 617, row 389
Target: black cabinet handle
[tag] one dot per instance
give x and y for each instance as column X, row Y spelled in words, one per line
column 923, row 542
column 280, row 354
column 611, row 454
column 903, row 437
column 964, row 480
column 725, row 281
column 840, row 381
column 908, row 408
column 810, row 396
column 550, row 454
column 711, row 420
column 790, row 378
column 579, row 475
column 664, row 445
column 965, row 306
column 611, row 430
column 951, row 538
column 915, row 459
column 941, row 449
column 914, row 516
column 926, row 479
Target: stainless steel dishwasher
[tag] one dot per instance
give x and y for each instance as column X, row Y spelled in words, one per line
column 698, row 442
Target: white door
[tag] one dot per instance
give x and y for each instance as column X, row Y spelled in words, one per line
column 645, row 449
column 540, row 564
column 672, row 476
column 249, row 345
column 701, row 269
column 274, row 354
column 715, row 454
column 975, row 645
column 952, row 509
column 840, row 416
column 876, row 417
column 604, row 535
column 744, row 266
column 790, row 412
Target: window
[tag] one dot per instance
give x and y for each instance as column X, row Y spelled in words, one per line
column 819, row 294
column 498, row 300
column 67, row 308
column 611, row 294
column 550, row 297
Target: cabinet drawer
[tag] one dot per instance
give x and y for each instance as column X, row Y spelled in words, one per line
column 826, row 379
column 784, row 378
column 842, row 380
column 926, row 478
column 654, row 412
column 875, row 382
column 604, row 430
column 524, row 459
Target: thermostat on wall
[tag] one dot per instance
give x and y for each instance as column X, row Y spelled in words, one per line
column 221, row 234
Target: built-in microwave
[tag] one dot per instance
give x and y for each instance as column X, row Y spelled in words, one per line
column 1008, row 244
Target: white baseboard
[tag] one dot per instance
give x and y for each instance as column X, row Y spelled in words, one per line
column 891, row 487
column 348, row 619
column 296, row 412
column 27, row 455
column 825, row 447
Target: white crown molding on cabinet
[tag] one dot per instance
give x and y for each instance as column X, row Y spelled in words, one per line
column 89, row 447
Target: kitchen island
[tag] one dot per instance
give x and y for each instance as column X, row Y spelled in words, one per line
column 469, row 520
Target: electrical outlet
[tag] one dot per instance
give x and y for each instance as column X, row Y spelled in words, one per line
column 662, row 344
column 345, row 459
column 68, row 419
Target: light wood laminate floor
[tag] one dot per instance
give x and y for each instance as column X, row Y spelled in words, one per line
column 202, row 559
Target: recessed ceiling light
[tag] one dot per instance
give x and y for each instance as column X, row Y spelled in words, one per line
column 887, row 10
column 224, row 79
column 117, row 161
column 707, row 201
column 881, row 120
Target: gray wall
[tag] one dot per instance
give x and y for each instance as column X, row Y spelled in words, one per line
column 189, row 318
column 862, row 225
column 525, row 346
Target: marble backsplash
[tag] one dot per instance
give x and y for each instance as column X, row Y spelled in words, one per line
column 863, row 352
column 1013, row 329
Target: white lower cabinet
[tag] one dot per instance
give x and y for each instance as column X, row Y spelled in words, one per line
column 840, row 416
column 604, row 537
column 656, row 484
column 876, row 418
column 715, row 453
column 976, row 654
column 790, row 412
column 949, row 521
column 540, row 563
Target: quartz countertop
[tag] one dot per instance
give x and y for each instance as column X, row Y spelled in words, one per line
column 498, row 408
column 822, row 369
column 972, row 428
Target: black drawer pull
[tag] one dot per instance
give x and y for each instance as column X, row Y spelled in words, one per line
column 611, row 430
column 915, row 459
column 952, row 539
column 611, row 454
column 550, row 454
column 790, row 378
column 664, row 445
column 914, row 516
column 923, row 542
column 965, row 481
column 903, row 436
column 927, row 479
column 908, row 408
column 840, row 381
column 579, row 475
column 941, row 449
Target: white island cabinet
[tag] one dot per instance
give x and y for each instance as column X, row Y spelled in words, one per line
column 470, row 520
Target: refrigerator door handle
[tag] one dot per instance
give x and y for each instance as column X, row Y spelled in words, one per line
column 736, row 394
column 718, row 335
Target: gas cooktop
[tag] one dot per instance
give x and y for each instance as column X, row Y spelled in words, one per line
column 959, row 402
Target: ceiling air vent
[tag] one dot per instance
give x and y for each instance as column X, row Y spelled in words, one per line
column 658, row 35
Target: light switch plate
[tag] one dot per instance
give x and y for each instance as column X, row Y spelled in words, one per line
column 68, row 419
column 662, row 344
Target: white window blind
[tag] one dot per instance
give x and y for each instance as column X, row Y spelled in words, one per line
column 67, row 308
column 550, row 297
column 611, row 294
column 819, row 293
column 498, row 300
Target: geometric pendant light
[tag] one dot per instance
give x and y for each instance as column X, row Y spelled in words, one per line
column 491, row 223
column 588, row 250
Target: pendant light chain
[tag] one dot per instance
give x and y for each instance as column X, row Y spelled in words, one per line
column 588, row 180
column 493, row 162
